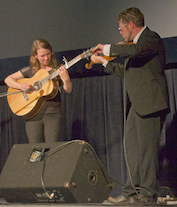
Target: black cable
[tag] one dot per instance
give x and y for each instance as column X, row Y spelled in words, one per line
column 60, row 147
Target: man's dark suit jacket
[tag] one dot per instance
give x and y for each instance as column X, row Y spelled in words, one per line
column 143, row 72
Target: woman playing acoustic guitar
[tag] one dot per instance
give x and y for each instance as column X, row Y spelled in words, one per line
column 43, row 121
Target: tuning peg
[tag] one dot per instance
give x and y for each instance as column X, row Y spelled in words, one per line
column 66, row 62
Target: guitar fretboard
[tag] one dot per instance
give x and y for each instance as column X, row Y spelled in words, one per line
column 68, row 65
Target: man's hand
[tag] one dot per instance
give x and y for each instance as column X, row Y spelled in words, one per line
column 98, row 49
column 98, row 59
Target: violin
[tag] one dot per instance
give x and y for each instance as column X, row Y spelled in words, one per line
column 108, row 58
column 89, row 65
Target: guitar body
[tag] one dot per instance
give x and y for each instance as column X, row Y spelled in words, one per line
column 28, row 104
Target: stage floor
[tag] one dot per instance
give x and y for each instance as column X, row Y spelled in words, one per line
column 3, row 203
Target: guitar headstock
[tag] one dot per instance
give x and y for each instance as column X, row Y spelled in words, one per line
column 87, row 53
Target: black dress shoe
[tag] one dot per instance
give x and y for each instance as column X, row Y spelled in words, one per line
column 141, row 199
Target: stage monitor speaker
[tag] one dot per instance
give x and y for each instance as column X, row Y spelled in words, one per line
column 60, row 172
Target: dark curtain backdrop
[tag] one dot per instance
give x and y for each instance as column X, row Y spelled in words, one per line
column 93, row 112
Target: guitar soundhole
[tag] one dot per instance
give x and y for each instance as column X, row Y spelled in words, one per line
column 37, row 85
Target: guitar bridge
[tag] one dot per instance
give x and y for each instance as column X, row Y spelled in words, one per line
column 25, row 96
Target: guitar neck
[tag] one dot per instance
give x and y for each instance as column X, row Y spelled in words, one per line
column 73, row 61
column 68, row 65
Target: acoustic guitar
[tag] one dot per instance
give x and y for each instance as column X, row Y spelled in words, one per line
column 28, row 103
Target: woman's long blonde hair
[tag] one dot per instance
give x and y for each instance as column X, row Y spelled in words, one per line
column 38, row 44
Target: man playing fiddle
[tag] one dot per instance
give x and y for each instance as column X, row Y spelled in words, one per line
column 146, row 88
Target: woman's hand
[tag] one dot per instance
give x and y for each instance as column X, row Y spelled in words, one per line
column 64, row 75
column 25, row 86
